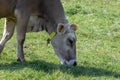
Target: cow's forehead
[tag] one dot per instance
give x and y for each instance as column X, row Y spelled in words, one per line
column 71, row 34
column 67, row 25
column 69, row 30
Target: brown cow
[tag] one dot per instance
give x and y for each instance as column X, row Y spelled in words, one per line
column 49, row 14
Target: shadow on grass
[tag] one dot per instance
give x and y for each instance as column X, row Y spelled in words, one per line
column 40, row 65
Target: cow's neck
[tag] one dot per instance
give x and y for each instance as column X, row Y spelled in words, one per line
column 52, row 30
column 53, row 25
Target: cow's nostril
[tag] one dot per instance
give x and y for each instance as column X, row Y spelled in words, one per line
column 75, row 63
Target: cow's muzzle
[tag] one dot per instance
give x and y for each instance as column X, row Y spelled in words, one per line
column 71, row 62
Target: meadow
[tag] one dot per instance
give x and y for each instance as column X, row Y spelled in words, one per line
column 98, row 46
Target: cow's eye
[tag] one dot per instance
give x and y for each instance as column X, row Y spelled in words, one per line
column 70, row 42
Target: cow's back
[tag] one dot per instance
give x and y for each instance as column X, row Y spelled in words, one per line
column 7, row 7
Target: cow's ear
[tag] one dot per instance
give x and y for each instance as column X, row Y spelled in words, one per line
column 73, row 27
column 61, row 28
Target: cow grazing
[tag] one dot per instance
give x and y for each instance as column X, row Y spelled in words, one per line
column 45, row 15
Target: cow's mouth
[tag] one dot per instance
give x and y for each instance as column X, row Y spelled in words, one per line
column 71, row 62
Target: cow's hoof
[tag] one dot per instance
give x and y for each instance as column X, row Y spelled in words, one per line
column 1, row 48
column 20, row 60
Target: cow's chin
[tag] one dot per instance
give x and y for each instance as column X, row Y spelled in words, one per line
column 69, row 63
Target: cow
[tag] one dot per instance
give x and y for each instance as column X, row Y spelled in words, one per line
column 45, row 15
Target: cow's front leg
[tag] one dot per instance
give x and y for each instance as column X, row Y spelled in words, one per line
column 8, row 32
column 22, row 21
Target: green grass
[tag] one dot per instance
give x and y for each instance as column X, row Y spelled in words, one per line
column 98, row 46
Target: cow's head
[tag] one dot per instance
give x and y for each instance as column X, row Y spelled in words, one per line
column 64, row 44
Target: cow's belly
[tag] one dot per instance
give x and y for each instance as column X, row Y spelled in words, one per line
column 6, row 7
column 5, row 14
column 33, row 24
